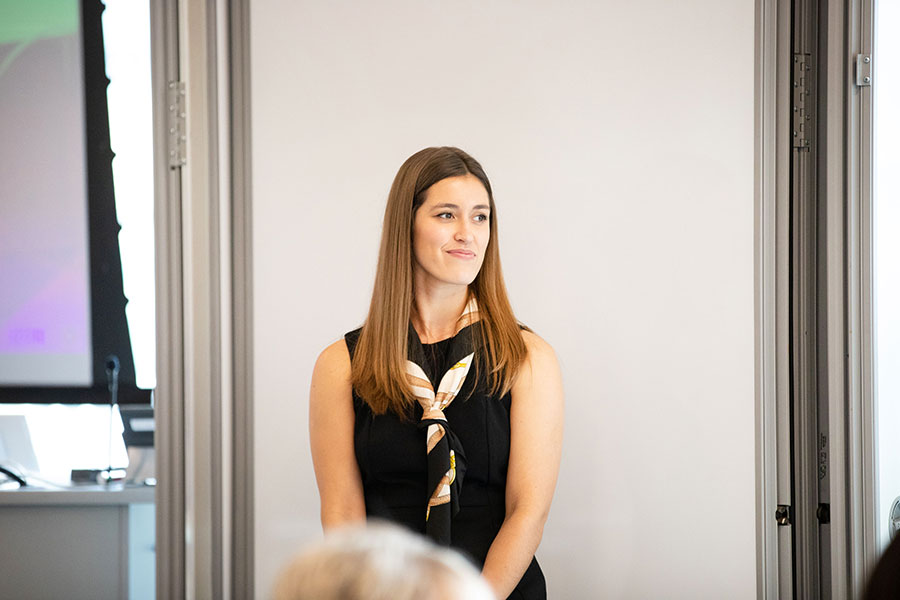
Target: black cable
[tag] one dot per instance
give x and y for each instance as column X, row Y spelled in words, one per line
column 13, row 476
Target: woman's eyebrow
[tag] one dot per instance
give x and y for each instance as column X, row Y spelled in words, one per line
column 451, row 205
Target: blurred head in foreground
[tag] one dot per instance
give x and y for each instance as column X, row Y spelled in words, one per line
column 379, row 562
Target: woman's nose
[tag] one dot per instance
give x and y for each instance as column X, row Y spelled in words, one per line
column 463, row 232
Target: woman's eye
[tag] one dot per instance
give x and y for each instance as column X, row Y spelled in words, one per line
column 481, row 218
column 445, row 215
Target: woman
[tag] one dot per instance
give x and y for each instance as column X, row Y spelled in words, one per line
column 442, row 413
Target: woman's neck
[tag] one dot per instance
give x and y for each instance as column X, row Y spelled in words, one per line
column 435, row 312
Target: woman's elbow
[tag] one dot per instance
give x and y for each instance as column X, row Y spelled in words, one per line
column 532, row 518
column 332, row 516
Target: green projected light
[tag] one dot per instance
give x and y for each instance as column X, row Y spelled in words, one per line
column 25, row 21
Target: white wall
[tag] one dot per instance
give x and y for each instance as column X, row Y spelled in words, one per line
column 887, row 254
column 618, row 137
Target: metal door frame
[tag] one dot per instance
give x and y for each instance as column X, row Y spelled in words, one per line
column 772, row 280
column 862, row 543
column 169, row 393
column 844, row 371
column 204, row 411
column 849, row 335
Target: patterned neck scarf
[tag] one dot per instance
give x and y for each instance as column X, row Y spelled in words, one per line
column 446, row 460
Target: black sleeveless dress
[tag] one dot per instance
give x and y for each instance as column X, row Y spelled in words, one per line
column 391, row 457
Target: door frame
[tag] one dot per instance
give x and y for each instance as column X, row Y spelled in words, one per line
column 774, row 543
column 169, row 392
column 863, row 544
column 205, row 539
column 848, row 341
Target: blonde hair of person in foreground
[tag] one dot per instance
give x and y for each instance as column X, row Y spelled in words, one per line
column 379, row 561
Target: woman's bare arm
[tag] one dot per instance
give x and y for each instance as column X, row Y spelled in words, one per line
column 331, row 422
column 536, row 428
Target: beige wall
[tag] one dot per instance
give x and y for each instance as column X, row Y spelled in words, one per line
column 619, row 139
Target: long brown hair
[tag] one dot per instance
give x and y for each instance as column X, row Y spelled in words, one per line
column 379, row 361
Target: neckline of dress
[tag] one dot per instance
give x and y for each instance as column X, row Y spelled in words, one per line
column 437, row 342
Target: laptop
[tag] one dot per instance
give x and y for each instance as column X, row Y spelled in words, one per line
column 16, row 451
column 138, row 426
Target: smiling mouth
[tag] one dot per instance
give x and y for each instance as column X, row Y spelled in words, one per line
column 461, row 253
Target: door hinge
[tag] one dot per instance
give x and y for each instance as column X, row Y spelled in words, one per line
column 863, row 70
column 783, row 515
column 176, row 128
column 801, row 121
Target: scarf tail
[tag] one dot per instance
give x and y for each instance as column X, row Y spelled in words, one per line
column 446, row 471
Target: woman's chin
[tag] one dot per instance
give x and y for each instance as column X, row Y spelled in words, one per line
column 452, row 277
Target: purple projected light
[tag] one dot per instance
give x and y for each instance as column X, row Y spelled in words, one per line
column 52, row 317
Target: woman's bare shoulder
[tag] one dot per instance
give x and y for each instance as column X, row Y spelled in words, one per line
column 538, row 348
column 539, row 378
column 333, row 363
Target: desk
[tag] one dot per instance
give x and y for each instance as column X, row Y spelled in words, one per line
column 88, row 542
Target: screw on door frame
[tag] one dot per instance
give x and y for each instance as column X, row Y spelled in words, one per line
column 783, row 515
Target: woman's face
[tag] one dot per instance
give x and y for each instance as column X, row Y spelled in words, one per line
column 451, row 230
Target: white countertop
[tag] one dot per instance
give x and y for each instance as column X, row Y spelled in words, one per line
column 78, row 495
